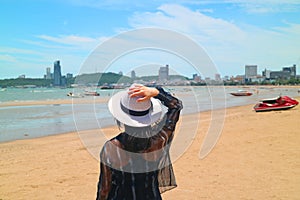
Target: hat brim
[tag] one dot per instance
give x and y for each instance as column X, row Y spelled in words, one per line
column 115, row 109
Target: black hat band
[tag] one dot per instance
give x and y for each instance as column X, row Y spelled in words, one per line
column 135, row 113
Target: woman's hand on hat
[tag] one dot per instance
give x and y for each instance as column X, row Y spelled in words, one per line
column 145, row 93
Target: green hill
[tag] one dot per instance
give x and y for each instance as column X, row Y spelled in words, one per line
column 101, row 78
column 83, row 79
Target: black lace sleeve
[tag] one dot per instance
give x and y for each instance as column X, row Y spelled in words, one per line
column 166, row 177
column 174, row 106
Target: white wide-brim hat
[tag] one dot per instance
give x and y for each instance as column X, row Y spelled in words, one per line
column 128, row 111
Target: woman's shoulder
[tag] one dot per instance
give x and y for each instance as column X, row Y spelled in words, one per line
column 113, row 141
column 113, row 153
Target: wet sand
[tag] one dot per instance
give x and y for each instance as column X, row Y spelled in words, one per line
column 53, row 102
column 256, row 157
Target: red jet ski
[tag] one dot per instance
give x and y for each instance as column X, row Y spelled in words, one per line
column 278, row 103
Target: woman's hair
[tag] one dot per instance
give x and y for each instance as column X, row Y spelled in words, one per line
column 138, row 138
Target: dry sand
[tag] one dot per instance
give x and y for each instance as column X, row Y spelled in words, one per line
column 256, row 157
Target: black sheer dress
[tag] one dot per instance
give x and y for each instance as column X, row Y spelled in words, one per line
column 139, row 168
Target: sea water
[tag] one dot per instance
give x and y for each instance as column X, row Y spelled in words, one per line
column 20, row 122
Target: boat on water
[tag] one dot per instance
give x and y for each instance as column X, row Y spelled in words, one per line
column 241, row 93
column 278, row 103
column 91, row 93
column 112, row 86
column 71, row 94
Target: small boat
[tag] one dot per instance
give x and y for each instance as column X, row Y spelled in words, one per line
column 278, row 103
column 241, row 93
column 112, row 86
column 106, row 87
column 71, row 94
column 91, row 93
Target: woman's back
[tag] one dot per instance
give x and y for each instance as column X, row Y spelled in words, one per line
column 134, row 186
column 136, row 164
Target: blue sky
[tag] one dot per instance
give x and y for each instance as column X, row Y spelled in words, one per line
column 35, row 33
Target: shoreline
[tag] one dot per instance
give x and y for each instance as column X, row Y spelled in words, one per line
column 54, row 102
column 105, row 99
column 89, row 101
column 256, row 157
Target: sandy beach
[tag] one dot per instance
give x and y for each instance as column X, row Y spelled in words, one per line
column 53, row 102
column 256, row 157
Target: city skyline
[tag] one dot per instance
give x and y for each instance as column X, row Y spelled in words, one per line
column 234, row 33
column 162, row 72
column 287, row 75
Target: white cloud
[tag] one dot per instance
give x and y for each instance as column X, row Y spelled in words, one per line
column 194, row 23
column 111, row 4
column 71, row 41
column 11, row 50
column 250, row 6
column 7, row 58
column 291, row 29
column 266, row 6
column 231, row 46
column 44, row 50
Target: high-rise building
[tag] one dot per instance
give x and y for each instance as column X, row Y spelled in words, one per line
column 48, row 73
column 267, row 74
column 196, row 78
column 69, row 75
column 285, row 73
column 63, row 81
column 291, row 70
column 57, row 74
column 218, row 77
column 163, row 73
column 250, row 72
column 133, row 75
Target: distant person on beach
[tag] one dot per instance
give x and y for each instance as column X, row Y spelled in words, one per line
column 136, row 165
